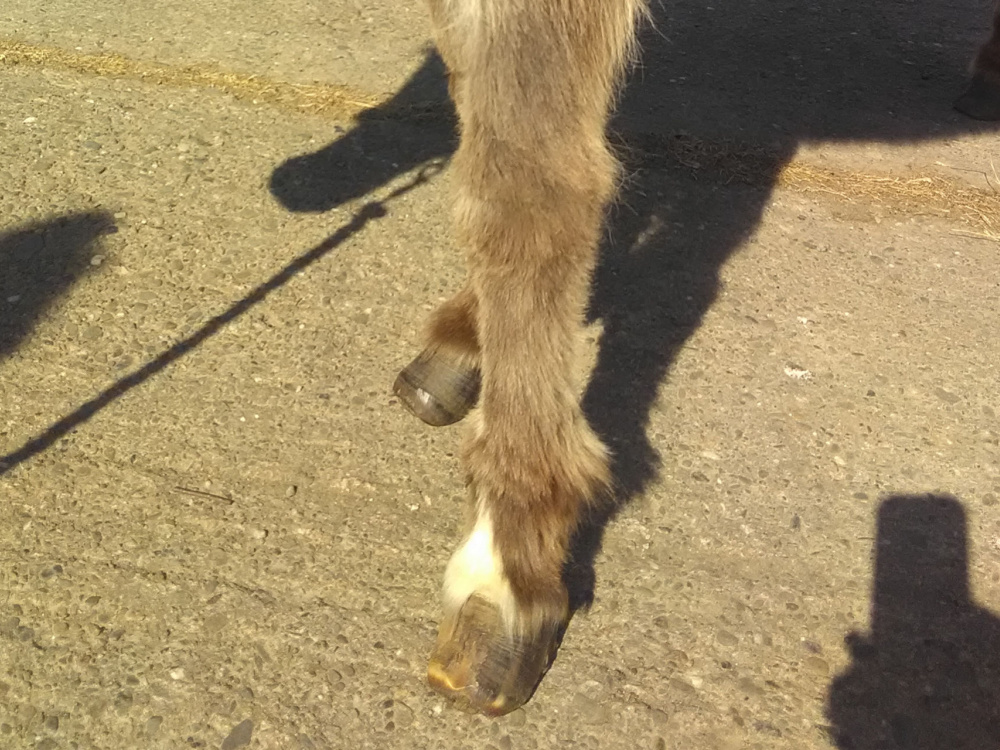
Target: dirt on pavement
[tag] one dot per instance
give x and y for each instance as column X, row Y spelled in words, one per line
column 220, row 232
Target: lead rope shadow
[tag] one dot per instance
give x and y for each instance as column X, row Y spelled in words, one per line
column 370, row 211
column 927, row 677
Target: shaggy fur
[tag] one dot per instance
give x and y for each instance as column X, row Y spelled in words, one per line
column 533, row 82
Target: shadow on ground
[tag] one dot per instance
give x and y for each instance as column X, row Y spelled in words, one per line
column 415, row 127
column 40, row 262
column 370, row 211
column 724, row 96
column 928, row 676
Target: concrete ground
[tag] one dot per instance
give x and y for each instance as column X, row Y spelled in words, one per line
column 219, row 235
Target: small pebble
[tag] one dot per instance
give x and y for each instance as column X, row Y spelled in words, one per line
column 402, row 715
column 725, row 638
column 239, row 736
column 517, row 718
column 946, row 396
column 682, row 686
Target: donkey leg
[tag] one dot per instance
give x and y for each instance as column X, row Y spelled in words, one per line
column 981, row 99
column 531, row 460
column 442, row 383
column 533, row 174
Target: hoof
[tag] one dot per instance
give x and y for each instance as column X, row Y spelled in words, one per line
column 981, row 101
column 481, row 668
column 438, row 388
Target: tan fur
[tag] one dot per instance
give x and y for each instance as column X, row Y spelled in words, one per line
column 533, row 82
column 452, row 327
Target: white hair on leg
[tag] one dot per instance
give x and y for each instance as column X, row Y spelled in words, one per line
column 476, row 568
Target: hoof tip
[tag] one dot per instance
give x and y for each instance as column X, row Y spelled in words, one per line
column 481, row 668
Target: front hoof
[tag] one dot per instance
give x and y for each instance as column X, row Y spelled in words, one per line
column 483, row 669
column 438, row 387
column 981, row 101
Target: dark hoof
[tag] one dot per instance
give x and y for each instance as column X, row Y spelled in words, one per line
column 481, row 668
column 981, row 101
column 438, row 387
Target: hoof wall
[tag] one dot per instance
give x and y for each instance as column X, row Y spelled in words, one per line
column 981, row 101
column 481, row 668
column 437, row 388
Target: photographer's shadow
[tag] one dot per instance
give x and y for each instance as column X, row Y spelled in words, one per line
column 40, row 262
column 928, row 675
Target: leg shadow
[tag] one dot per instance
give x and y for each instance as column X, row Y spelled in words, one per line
column 928, row 676
column 657, row 276
column 727, row 89
column 416, row 126
column 38, row 263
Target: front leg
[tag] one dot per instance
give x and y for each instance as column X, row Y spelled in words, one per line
column 533, row 174
column 532, row 221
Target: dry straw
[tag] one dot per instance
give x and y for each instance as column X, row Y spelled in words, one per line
column 978, row 210
column 320, row 99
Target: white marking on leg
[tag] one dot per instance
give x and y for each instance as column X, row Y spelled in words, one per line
column 476, row 568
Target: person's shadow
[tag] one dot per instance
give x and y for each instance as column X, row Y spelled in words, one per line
column 38, row 263
column 725, row 94
column 928, row 675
